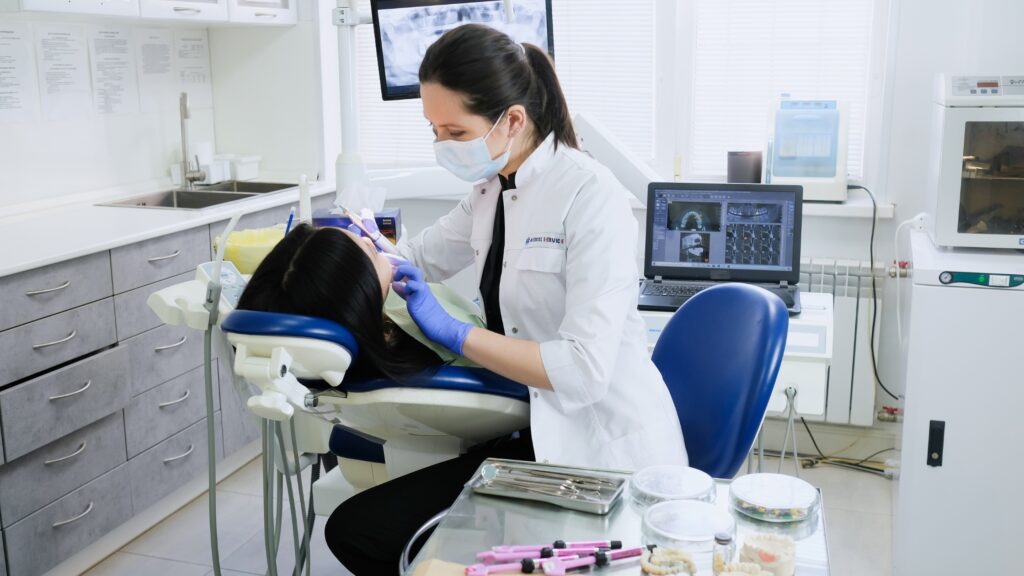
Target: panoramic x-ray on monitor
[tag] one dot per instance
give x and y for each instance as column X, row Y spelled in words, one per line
column 405, row 28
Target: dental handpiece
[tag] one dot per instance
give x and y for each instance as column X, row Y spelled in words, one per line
column 378, row 239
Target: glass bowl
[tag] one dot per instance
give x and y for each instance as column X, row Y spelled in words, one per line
column 688, row 525
column 773, row 497
column 656, row 484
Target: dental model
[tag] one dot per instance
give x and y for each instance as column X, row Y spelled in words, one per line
column 665, row 561
column 773, row 553
column 743, row 569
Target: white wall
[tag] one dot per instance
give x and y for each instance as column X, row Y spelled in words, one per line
column 44, row 160
column 266, row 84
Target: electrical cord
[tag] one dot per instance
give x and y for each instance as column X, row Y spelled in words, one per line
column 874, row 288
column 842, row 462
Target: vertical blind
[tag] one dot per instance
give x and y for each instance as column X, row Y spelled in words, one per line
column 605, row 61
column 746, row 53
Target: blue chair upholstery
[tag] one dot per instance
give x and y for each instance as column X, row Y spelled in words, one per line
column 276, row 324
column 347, row 444
column 720, row 354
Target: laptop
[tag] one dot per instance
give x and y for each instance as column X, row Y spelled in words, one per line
column 699, row 235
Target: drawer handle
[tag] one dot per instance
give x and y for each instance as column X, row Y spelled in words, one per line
column 181, row 10
column 48, row 290
column 169, row 346
column 76, row 518
column 55, row 342
column 266, row 15
column 70, row 394
column 191, row 447
column 168, row 257
column 69, row 456
column 173, row 402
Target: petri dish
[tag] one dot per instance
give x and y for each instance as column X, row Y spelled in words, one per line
column 688, row 525
column 656, row 484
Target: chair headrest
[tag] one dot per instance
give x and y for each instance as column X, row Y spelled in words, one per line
column 256, row 323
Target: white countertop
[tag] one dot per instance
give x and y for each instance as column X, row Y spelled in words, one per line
column 34, row 239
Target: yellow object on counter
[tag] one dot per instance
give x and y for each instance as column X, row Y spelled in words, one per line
column 247, row 248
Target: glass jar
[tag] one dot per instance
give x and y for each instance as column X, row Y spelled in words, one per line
column 723, row 551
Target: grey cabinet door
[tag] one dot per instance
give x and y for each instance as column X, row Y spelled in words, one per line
column 134, row 316
column 165, row 410
column 48, row 537
column 170, row 464
column 39, row 411
column 39, row 478
column 51, row 289
column 240, row 425
column 34, row 347
column 159, row 258
column 162, row 354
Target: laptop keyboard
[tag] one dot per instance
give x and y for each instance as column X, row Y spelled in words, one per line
column 665, row 289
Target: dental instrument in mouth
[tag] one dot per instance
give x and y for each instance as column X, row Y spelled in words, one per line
column 378, row 239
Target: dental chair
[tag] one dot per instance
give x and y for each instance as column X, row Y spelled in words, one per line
column 378, row 429
column 722, row 377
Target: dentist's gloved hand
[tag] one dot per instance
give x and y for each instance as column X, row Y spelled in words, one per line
column 427, row 312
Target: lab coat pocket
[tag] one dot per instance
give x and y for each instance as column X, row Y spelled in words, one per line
column 541, row 260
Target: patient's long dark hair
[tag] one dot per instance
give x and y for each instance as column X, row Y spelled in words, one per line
column 322, row 272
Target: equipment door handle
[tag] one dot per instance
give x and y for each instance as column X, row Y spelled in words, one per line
column 48, row 290
column 169, row 346
column 69, row 456
column 266, row 15
column 181, row 10
column 168, row 257
column 191, row 447
column 76, row 518
column 178, row 401
column 70, row 394
column 55, row 342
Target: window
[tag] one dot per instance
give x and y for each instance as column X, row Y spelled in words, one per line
column 605, row 61
column 746, row 53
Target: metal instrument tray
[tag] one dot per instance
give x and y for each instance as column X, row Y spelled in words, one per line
column 584, row 489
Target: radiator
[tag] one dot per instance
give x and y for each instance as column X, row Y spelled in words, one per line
column 851, row 381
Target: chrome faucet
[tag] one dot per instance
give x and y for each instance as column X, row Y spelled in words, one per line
column 188, row 175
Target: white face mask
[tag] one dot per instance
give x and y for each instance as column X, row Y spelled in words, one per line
column 471, row 160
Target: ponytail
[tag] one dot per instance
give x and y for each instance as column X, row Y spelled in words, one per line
column 492, row 73
column 552, row 115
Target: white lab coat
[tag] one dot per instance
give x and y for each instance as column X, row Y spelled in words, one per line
column 569, row 282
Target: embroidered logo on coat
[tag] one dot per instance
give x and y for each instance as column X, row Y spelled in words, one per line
column 553, row 240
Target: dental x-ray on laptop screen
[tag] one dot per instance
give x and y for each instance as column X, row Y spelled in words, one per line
column 701, row 234
column 404, row 29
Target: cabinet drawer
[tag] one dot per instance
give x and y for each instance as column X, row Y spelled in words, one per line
column 197, row 10
column 134, row 315
column 165, row 410
column 54, row 533
column 159, row 258
column 39, row 411
column 51, row 289
column 810, row 379
column 170, row 464
column 239, row 424
column 276, row 13
column 34, row 347
column 162, row 354
column 39, row 478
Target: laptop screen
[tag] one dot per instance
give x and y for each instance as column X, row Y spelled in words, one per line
column 723, row 232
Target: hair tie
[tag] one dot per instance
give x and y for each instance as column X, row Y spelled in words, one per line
column 521, row 48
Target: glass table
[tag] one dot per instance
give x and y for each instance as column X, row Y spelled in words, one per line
column 476, row 522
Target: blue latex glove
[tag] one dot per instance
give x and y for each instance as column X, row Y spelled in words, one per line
column 427, row 312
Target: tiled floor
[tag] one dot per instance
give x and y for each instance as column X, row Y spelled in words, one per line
column 858, row 514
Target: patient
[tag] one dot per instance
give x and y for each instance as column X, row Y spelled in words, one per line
column 333, row 274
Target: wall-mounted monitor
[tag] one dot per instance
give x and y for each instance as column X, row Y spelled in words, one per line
column 403, row 30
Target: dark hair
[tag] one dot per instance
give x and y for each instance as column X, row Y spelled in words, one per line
column 492, row 73
column 322, row 272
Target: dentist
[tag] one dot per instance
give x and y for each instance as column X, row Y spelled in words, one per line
column 553, row 241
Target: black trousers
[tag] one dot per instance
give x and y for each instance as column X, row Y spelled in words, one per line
column 368, row 531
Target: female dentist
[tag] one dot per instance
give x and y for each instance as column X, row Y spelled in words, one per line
column 554, row 243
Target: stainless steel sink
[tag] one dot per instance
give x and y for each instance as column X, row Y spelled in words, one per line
column 202, row 196
column 245, row 187
column 179, row 199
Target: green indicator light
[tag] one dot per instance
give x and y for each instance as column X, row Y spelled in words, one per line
column 981, row 278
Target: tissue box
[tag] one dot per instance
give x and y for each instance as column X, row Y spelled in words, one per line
column 389, row 222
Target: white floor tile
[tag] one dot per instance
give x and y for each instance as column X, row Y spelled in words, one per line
column 247, row 480
column 225, row 572
column 859, row 543
column 851, row 490
column 185, row 535
column 123, row 564
column 251, row 557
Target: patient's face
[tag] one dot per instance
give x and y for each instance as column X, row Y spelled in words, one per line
column 381, row 264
